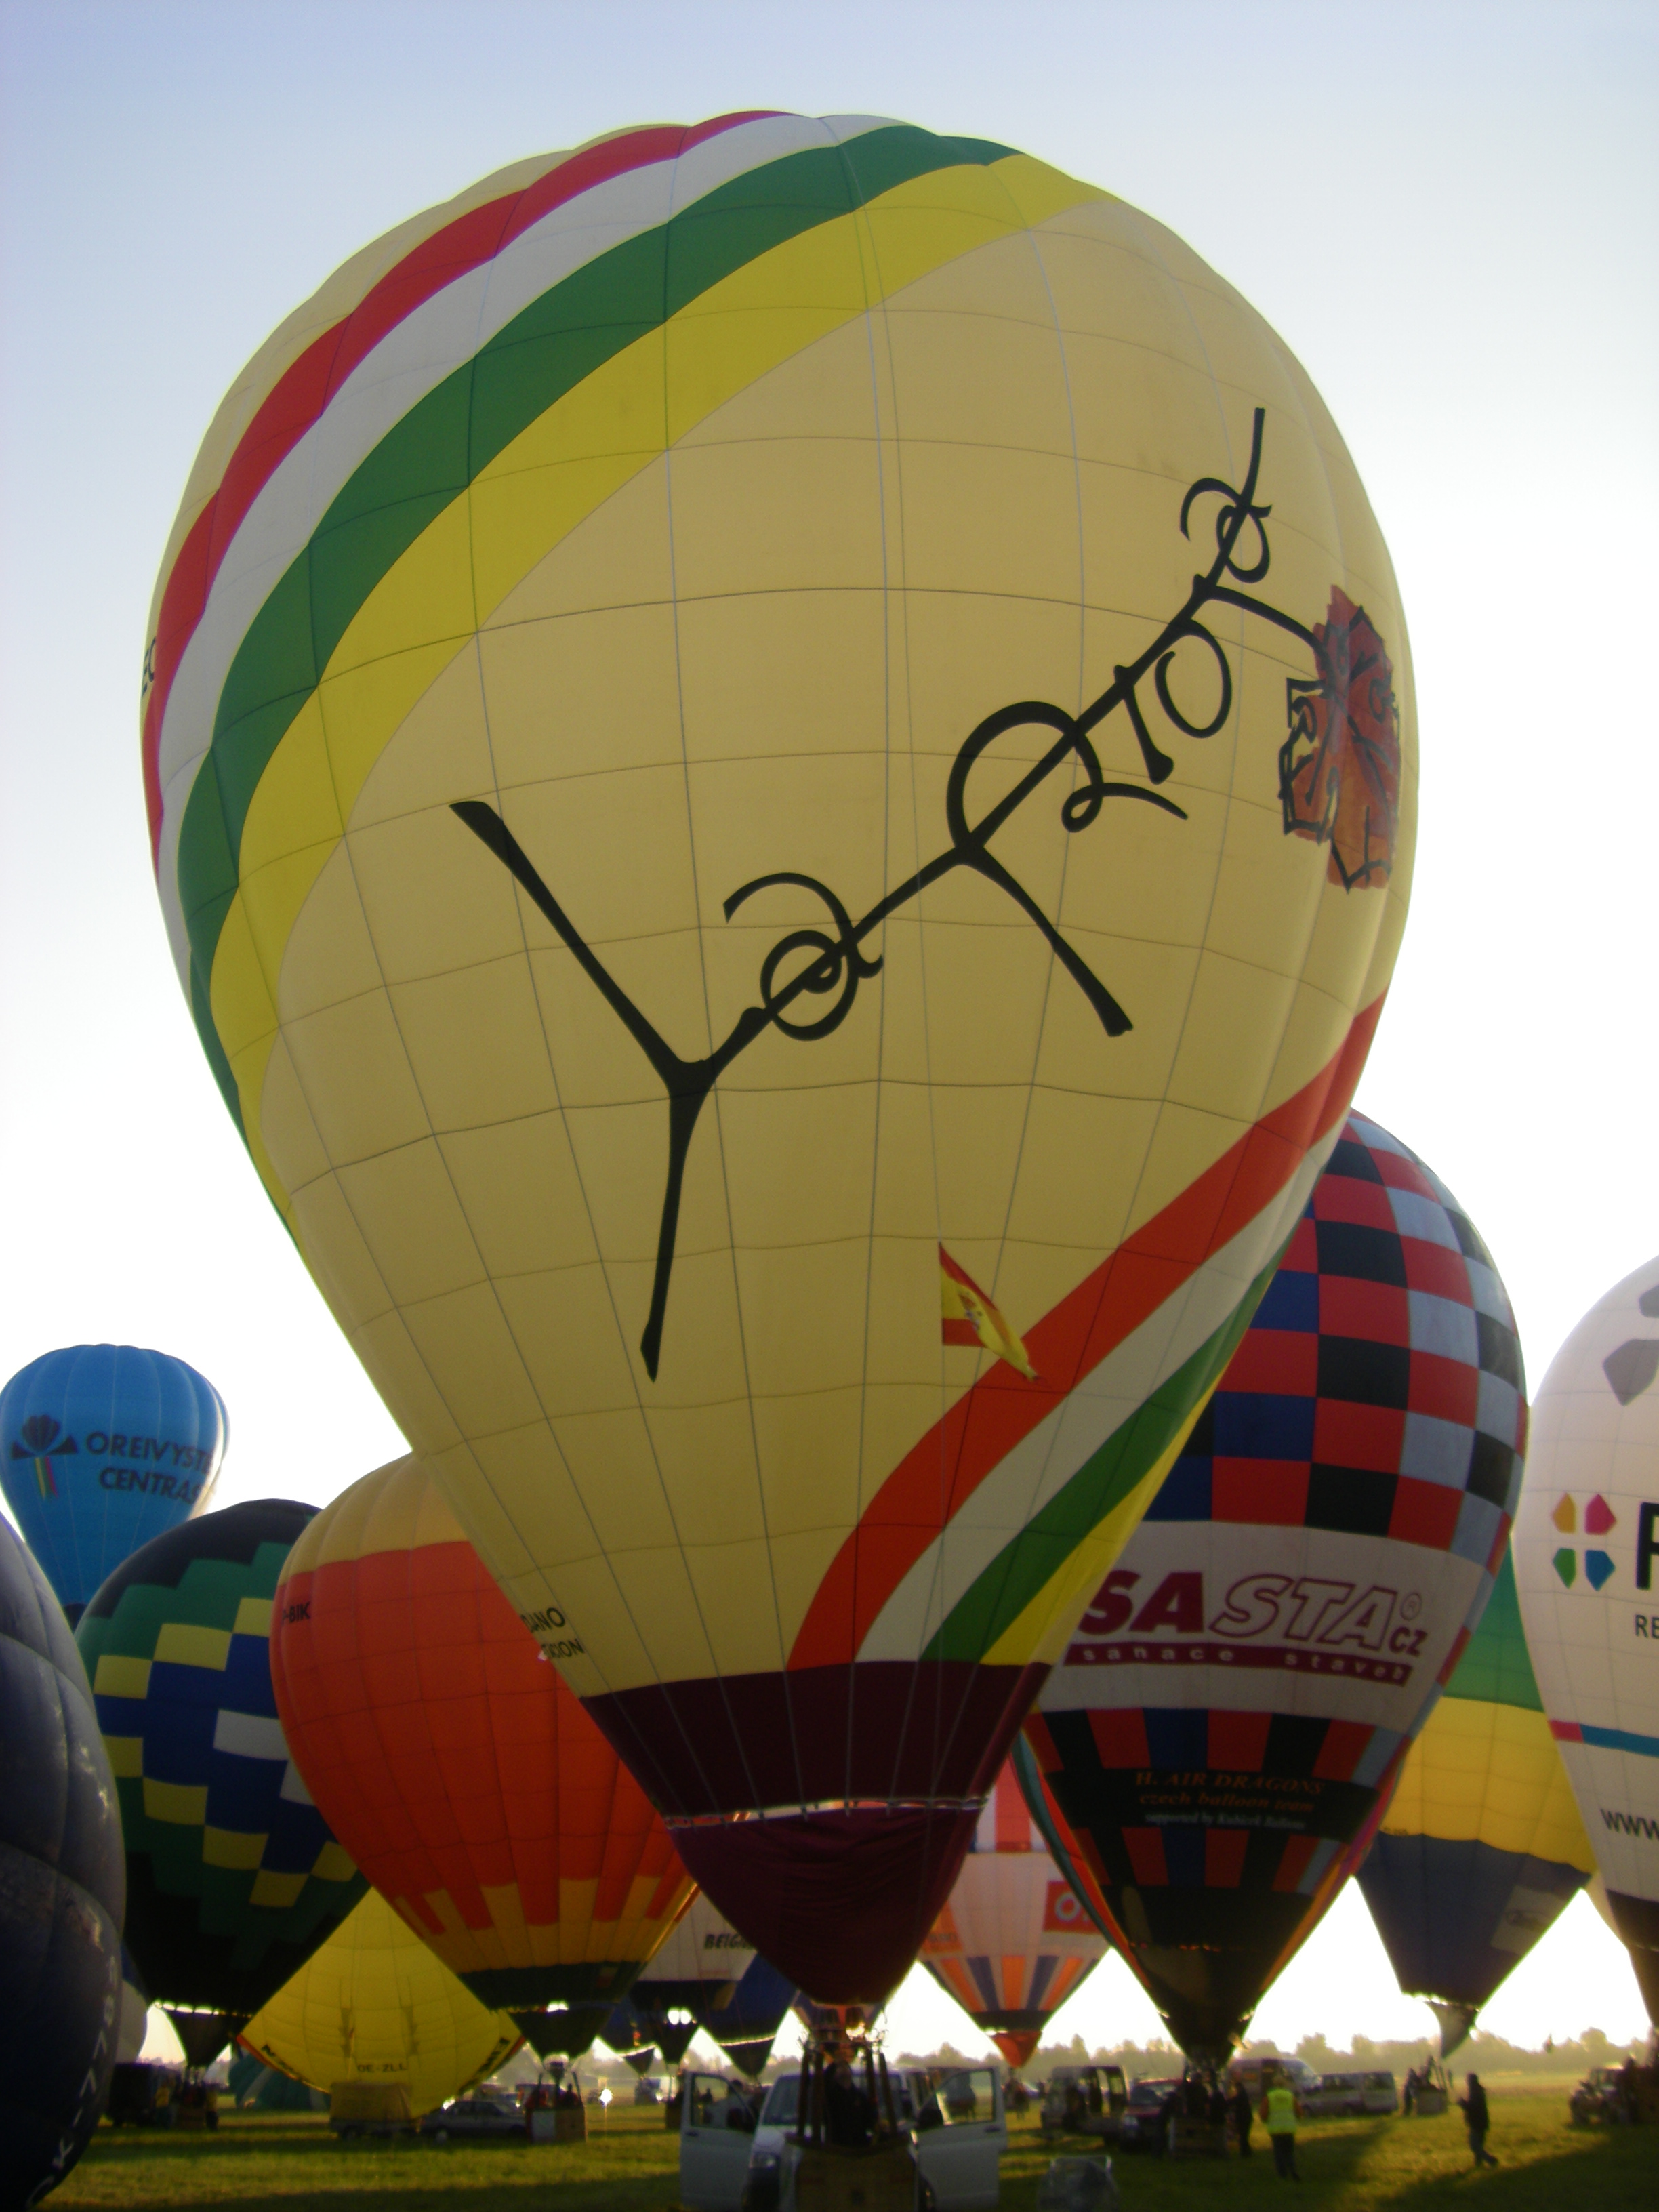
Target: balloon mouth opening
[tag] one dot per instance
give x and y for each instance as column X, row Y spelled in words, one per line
column 839, row 1898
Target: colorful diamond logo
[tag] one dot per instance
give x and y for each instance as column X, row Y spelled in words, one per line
column 1565, row 1564
column 1599, row 1516
column 1598, row 1569
column 1565, row 1517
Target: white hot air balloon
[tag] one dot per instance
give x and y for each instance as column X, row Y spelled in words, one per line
column 1586, row 1547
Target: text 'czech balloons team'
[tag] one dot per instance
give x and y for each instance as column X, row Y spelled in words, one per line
column 782, row 766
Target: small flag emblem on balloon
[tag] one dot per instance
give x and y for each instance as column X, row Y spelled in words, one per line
column 970, row 1317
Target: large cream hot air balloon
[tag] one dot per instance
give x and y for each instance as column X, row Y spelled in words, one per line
column 375, row 2006
column 782, row 764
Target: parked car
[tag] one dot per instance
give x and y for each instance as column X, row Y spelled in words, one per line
column 1351, row 2095
column 1250, row 2068
column 475, row 2118
column 732, row 2160
column 1140, row 2127
column 1617, row 2092
column 647, row 2090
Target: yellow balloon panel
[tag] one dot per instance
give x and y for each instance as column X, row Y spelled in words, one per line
column 1490, row 1774
column 375, row 2004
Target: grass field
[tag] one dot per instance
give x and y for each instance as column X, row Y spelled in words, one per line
column 291, row 2164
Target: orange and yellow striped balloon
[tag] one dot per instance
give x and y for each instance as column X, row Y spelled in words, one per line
column 481, row 1800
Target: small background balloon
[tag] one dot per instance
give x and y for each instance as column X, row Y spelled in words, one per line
column 62, row 1891
column 1481, row 1846
column 103, row 1446
column 376, row 2006
column 233, row 1876
column 693, row 1976
column 746, row 2027
column 1586, row 1545
column 1013, row 1942
column 1212, row 1757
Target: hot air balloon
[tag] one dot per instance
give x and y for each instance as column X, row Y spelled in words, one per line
column 781, row 763
column 746, row 2027
column 1012, row 1941
column 62, row 1891
column 103, row 1446
column 1214, row 1754
column 233, row 1877
column 1585, row 1543
column 454, row 1766
column 693, row 1978
column 1481, row 1845
column 376, row 2005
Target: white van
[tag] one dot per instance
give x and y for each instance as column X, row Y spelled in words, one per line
column 731, row 2162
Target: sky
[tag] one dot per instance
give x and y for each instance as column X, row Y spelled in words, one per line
column 1448, row 212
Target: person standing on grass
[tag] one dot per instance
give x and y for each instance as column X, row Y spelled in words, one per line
column 1239, row 2103
column 1475, row 2120
column 1281, row 2112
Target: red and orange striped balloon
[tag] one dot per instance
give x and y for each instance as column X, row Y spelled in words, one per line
column 476, row 1794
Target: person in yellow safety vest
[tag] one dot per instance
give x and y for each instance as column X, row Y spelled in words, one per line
column 1281, row 2112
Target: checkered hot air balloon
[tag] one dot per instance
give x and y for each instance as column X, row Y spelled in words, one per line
column 233, row 1876
column 735, row 721
column 1215, row 1751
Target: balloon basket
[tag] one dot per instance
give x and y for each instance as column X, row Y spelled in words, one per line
column 881, row 2177
column 1190, row 2138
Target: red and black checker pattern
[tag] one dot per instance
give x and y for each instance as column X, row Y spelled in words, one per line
column 1379, row 1390
column 1374, row 1403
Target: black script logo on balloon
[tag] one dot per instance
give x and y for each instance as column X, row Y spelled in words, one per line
column 829, row 963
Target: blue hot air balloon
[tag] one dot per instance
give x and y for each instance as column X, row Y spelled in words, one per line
column 62, row 1890
column 103, row 1446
